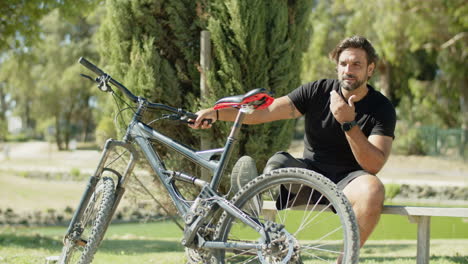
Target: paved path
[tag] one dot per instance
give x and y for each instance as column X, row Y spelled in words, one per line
column 42, row 156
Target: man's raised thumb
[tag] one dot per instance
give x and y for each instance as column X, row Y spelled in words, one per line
column 351, row 100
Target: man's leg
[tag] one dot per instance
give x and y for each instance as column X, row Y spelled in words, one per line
column 283, row 159
column 366, row 194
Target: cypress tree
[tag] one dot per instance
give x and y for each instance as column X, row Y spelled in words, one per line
column 258, row 44
column 153, row 48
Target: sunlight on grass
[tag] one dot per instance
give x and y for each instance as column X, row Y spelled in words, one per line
column 160, row 243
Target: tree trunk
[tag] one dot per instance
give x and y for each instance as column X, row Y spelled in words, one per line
column 384, row 82
column 3, row 104
column 464, row 111
column 205, row 57
column 58, row 132
column 68, row 128
column 3, row 109
column 30, row 124
column 87, row 125
column 463, row 102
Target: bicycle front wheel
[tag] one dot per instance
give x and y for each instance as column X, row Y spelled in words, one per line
column 82, row 244
column 306, row 218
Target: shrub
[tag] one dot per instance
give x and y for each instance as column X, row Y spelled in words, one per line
column 75, row 173
column 391, row 190
column 410, row 140
column 105, row 129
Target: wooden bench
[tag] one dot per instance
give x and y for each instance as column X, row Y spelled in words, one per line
column 417, row 214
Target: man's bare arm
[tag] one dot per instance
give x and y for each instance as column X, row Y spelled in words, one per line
column 281, row 108
column 371, row 153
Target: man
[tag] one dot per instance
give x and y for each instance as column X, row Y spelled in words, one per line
column 349, row 129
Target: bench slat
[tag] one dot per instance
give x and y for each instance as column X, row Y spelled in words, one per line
column 425, row 211
column 395, row 209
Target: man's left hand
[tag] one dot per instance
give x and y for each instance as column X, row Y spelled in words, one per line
column 342, row 111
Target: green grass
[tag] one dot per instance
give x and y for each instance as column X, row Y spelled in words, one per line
column 160, row 243
column 399, row 227
column 27, row 195
column 125, row 243
column 390, row 227
column 393, row 241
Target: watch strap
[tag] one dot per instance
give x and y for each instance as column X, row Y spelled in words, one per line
column 346, row 126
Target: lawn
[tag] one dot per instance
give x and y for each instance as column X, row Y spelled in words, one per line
column 393, row 242
column 27, row 194
column 159, row 243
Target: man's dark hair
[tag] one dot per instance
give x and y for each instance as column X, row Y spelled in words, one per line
column 357, row 42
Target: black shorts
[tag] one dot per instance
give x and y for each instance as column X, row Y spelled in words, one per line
column 339, row 175
column 335, row 173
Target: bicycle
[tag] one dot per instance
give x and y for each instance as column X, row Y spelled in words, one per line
column 242, row 234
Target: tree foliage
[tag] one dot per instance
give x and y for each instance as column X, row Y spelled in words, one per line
column 19, row 23
column 422, row 47
column 257, row 44
column 44, row 79
column 153, row 47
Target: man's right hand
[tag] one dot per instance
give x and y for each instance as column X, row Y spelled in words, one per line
column 204, row 115
column 281, row 108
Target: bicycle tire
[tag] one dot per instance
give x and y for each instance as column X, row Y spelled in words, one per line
column 303, row 246
column 94, row 219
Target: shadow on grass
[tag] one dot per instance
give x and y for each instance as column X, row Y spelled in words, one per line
column 111, row 246
column 438, row 259
column 369, row 249
column 33, row 241
column 140, row 246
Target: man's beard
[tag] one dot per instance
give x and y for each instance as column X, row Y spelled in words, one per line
column 353, row 86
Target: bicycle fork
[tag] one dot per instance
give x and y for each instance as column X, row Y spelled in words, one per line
column 75, row 228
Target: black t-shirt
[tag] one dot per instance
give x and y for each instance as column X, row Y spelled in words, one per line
column 324, row 140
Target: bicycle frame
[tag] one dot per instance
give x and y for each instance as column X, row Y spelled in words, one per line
column 140, row 134
column 273, row 242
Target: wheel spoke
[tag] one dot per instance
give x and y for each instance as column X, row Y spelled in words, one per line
column 307, row 213
column 319, row 248
column 315, row 233
column 312, row 219
column 317, row 257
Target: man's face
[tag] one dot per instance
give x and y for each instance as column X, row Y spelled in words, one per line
column 352, row 68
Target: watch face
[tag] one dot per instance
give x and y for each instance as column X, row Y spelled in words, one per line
column 348, row 125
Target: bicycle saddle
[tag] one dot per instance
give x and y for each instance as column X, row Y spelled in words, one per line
column 258, row 98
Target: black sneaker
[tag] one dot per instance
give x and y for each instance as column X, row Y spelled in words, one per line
column 243, row 171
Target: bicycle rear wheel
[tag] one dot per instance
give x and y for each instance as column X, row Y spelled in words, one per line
column 320, row 229
column 82, row 244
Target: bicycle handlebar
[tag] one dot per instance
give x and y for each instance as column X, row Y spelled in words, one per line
column 130, row 95
column 101, row 73
column 91, row 66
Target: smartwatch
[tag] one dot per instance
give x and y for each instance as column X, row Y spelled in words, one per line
column 346, row 126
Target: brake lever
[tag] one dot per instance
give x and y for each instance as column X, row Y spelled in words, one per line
column 178, row 118
column 87, row 77
column 192, row 122
column 171, row 116
column 184, row 119
column 101, row 81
